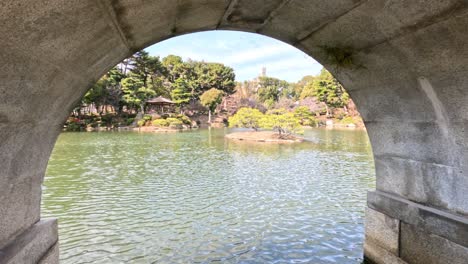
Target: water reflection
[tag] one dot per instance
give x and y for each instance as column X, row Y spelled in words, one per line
column 198, row 198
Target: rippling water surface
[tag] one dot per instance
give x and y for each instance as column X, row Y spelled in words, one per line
column 196, row 198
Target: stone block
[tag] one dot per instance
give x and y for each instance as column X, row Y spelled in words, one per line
column 436, row 185
column 309, row 16
column 420, row 247
column 32, row 245
column 382, row 230
column 249, row 15
column 379, row 20
column 374, row 254
column 146, row 22
column 76, row 36
column 52, row 256
column 450, row 226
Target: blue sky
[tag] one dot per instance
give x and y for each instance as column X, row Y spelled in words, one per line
column 247, row 53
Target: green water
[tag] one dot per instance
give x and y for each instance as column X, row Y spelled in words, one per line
column 197, row 198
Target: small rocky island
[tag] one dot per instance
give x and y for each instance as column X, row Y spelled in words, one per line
column 264, row 136
column 279, row 126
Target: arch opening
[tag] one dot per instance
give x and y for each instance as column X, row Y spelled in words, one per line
column 403, row 63
column 226, row 212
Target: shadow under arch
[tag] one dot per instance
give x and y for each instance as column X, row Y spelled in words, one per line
column 402, row 72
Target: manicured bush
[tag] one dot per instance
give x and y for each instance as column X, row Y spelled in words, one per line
column 141, row 123
column 174, row 123
column 347, row 120
column 282, row 123
column 73, row 127
column 246, row 117
column 161, row 123
column 305, row 116
column 129, row 121
column 74, row 124
column 147, row 117
column 185, row 119
column 311, row 121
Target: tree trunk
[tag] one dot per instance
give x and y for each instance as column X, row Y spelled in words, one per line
column 209, row 116
column 328, row 110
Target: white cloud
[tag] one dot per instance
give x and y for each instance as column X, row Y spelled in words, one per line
column 247, row 53
column 255, row 54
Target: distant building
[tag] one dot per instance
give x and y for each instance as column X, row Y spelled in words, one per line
column 159, row 105
column 263, row 74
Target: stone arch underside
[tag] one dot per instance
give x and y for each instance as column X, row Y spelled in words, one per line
column 405, row 64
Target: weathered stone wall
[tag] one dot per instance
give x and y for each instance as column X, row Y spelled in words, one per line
column 405, row 64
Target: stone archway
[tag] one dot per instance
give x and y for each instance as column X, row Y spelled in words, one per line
column 405, row 63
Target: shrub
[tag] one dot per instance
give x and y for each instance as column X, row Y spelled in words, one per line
column 106, row 119
column 94, row 124
column 347, row 120
column 246, row 117
column 147, row 117
column 141, row 123
column 74, row 124
column 305, row 116
column 174, row 123
column 311, row 121
column 185, row 119
column 129, row 121
column 161, row 123
column 73, row 127
column 282, row 123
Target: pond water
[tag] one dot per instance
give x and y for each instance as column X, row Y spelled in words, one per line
column 197, row 198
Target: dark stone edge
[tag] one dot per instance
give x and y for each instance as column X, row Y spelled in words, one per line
column 43, row 228
column 447, row 225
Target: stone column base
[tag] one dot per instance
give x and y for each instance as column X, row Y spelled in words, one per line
column 400, row 231
column 38, row 244
column 52, row 256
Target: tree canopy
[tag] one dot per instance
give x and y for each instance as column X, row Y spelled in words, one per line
column 142, row 76
column 246, row 117
column 329, row 90
column 211, row 98
column 279, row 120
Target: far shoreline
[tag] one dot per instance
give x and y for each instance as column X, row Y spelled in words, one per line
column 158, row 130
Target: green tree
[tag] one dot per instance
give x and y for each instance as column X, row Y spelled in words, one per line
column 328, row 90
column 211, row 99
column 214, row 75
column 282, row 122
column 190, row 79
column 95, row 95
column 106, row 91
column 150, row 70
column 181, row 92
column 114, row 89
column 180, row 79
column 146, row 67
column 172, row 65
column 308, row 91
column 305, row 116
column 246, row 117
column 135, row 93
column 270, row 90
